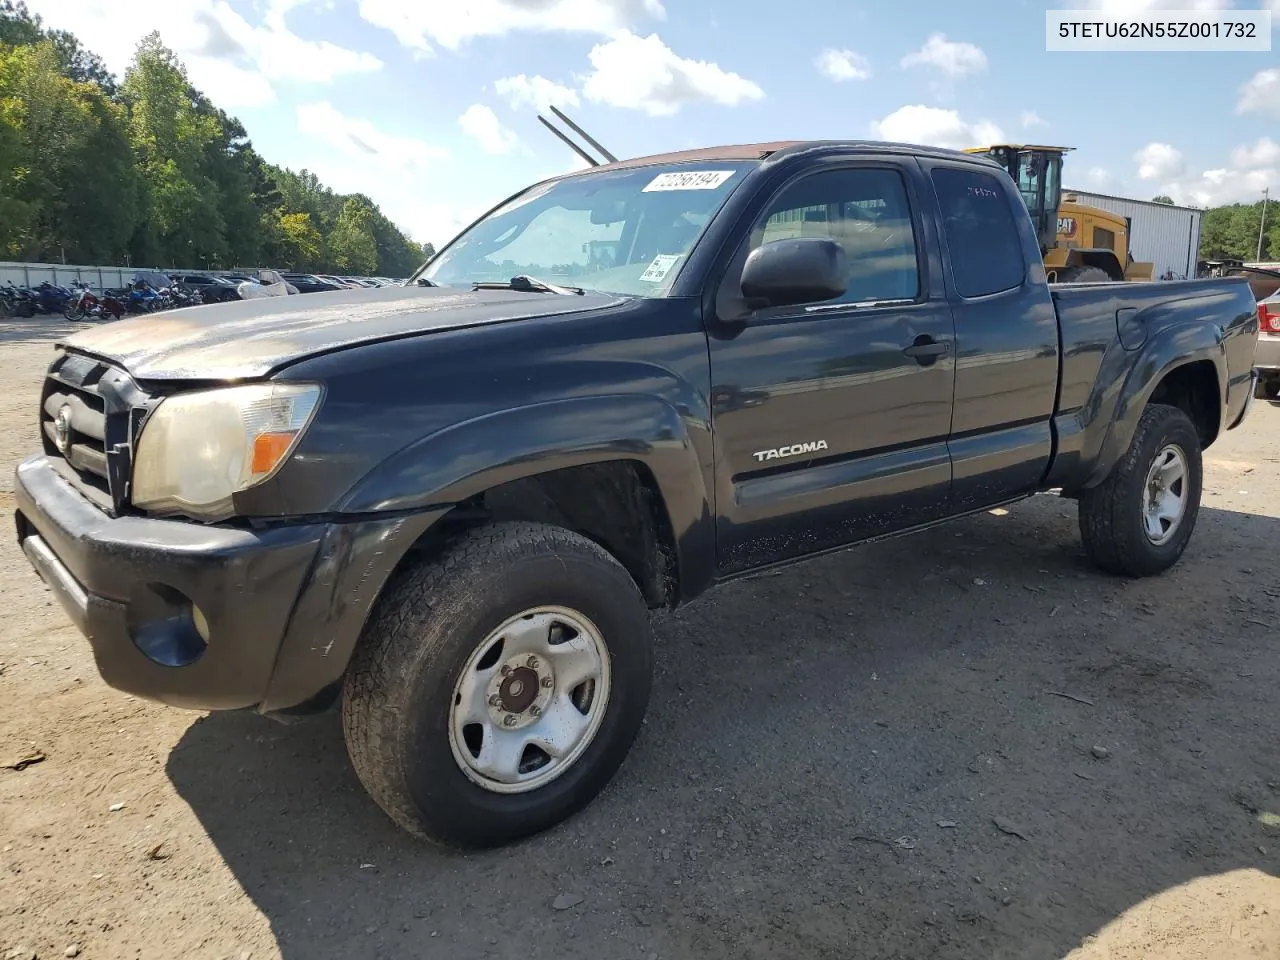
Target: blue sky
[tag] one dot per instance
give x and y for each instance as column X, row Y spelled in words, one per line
column 430, row 106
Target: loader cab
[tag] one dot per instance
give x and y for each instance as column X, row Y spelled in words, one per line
column 1037, row 171
column 1079, row 243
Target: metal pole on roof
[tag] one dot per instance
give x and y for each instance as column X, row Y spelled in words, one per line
column 585, row 136
column 571, row 145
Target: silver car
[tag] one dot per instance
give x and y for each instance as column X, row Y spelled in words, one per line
column 1266, row 358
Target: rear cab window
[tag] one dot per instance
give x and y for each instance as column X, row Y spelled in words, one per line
column 983, row 243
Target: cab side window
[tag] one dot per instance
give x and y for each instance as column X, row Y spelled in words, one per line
column 865, row 211
column 982, row 237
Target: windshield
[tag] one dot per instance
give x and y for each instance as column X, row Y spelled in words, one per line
column 619, row 231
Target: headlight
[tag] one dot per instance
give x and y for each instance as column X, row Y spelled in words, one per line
column 198, row 449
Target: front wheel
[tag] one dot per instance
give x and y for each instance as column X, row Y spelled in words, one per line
column 497, row 690
column 1137, row 522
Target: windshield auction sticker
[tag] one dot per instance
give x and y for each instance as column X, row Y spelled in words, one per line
column 660, row 267
column 692, row 180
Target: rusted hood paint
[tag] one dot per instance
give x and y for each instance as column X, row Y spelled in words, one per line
column 251, row 338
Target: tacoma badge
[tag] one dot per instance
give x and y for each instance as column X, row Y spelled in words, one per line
column 794, row 450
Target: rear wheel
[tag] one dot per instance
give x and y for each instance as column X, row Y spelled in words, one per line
column 1083, row 275
column 497, row 690
column 1137, row 522
column 1268, row 389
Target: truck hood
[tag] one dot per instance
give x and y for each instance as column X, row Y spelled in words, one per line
column 251, row 338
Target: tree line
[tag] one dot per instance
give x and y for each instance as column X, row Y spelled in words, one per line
column 148, row 171
column 1232, row 232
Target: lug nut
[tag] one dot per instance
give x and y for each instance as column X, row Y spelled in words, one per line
column 535, row 711
column 509, row 720
column 505, row 671
column 494, row 700
column 532, row 663
column 546, row 682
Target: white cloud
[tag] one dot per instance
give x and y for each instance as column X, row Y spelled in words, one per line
column 933, row 126
column 1097, row 177
column 643, row 73
column 359, row 139
column 1251, row 169
column 1157, row 161
column 1264, row 153
column 235, row 62
column 1213, row 188
column 537, row 92
column 1261, row 94
column 451, row 25
column 841, row 65
column 1031, row 119
column 482, row 125
column 955, row 59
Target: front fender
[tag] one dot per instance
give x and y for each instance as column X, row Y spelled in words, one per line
column 467, row 458
column 1167, row 350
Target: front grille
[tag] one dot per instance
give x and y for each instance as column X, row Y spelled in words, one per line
column 90, row 412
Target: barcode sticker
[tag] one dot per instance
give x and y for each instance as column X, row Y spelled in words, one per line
column 660, row 267
column 691, row 180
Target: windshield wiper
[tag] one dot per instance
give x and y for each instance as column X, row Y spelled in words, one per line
column 529, row 284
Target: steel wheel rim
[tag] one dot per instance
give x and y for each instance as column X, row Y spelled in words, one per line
column 529, row 700
column 1164, row 495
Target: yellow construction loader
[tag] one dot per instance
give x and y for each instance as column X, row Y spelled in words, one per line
column 1079, row 243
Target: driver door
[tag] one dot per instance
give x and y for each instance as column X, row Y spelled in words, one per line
column 831, row 419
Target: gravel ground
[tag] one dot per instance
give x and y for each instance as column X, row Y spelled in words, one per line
column 965, row 743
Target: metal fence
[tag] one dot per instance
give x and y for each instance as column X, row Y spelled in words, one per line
column 97, row 277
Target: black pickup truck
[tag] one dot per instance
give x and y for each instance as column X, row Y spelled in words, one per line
column 450, row 506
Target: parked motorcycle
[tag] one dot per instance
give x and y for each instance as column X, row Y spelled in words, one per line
column 86, row 305
column 51, row 298
column 17, row 301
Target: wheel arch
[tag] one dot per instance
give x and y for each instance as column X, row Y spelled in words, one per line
column 1185, row 367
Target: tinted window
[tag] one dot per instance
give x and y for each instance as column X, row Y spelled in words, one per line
column 866, row 212
column 982, row 236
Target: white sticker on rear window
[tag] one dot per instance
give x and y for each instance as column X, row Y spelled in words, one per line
column 689, row 180
column 657, row 271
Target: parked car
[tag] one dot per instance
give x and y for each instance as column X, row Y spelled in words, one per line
column 1267, row 357
column 212, row 289
column 450, row 509
column 309, row 283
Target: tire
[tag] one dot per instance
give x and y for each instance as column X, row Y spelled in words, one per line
column 1084, row 275
column 1113, row 520
column 419, row 649
column 1267, row 390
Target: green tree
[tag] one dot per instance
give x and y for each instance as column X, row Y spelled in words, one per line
column 19, row 27
column 352, row 247
column 428, row 251
column 300, row 244
column 71, row 180
column 1162, row 198
column 172, row 138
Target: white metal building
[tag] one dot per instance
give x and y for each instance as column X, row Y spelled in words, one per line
column 1159, row 233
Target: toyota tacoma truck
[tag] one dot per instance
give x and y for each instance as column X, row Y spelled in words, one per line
column 448, row 508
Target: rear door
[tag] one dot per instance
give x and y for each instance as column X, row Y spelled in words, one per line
column 831, row 419
column 1006, row 334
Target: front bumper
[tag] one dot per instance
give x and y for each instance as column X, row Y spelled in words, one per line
column 208, row 617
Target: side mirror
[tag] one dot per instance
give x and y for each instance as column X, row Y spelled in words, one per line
column 799, row 270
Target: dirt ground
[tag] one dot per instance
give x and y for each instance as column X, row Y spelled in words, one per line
column 869, row 756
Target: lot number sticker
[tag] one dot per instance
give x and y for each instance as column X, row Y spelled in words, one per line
column 692, row 180
column 661, row 266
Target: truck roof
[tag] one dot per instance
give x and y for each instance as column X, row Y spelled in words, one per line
column 780, row 148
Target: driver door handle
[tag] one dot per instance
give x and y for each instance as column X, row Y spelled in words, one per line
column 926, row 350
